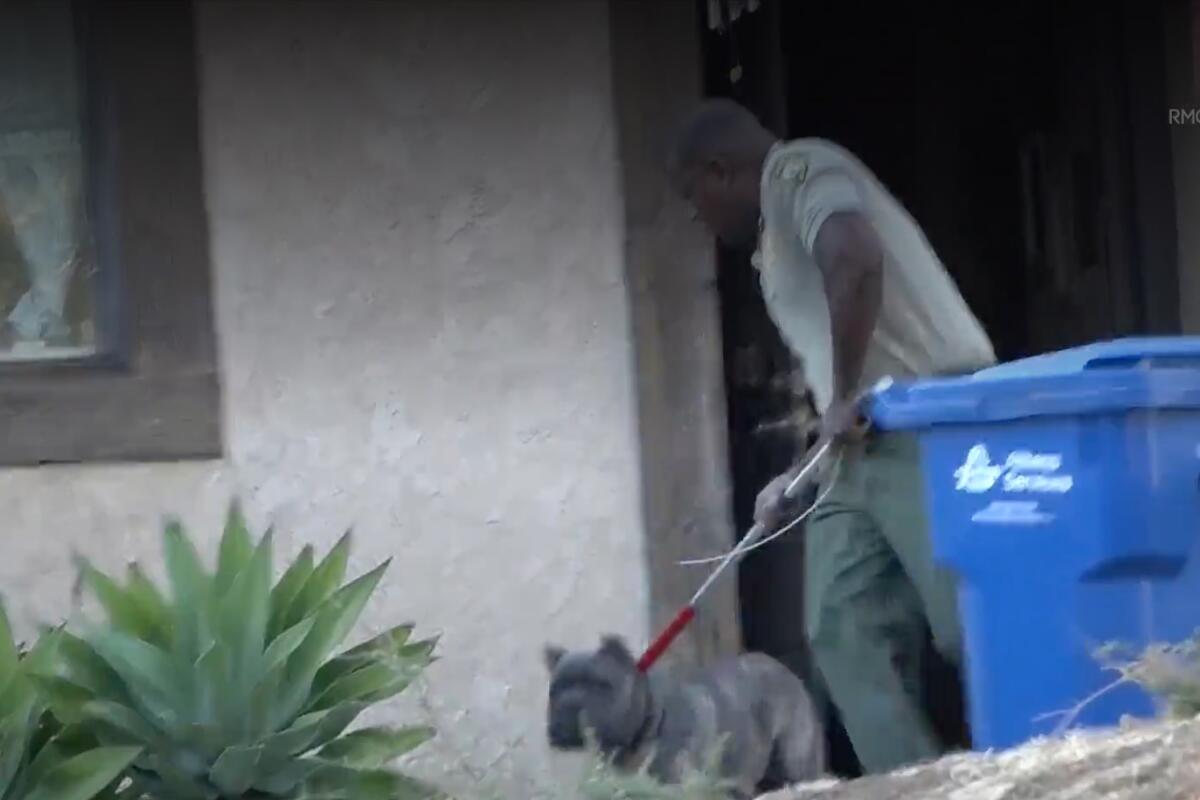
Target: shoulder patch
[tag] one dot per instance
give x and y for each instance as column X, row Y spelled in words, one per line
column 794, row 169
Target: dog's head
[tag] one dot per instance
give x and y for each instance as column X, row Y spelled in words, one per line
column 600, row 693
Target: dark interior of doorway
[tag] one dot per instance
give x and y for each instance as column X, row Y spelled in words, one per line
column 939, row 99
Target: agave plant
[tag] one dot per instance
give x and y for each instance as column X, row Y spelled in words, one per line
column 39, row 758
column 229, row 683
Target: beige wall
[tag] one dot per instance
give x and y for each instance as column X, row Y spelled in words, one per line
column 417, row 238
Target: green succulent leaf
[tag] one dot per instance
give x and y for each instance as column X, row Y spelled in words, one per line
column 361, row 684
column 40, row 656
column 117, row 724
column 14, row 733
column 158, row 779
column 83, row 776
column 373, row 748
column 283, row 645
column 312, row 731
column 40, row 759
column 82, row 665
column 63, row 696
column 187, row 575
column 235, row 551
column 148, row 599
column 335, row 618
column 288, row 779
column 127, row 610
column 322, row 582
column 241, row 622
column 288, row 589
column 146, row 670
column 9, row 655
column 387, row 645
column 190, row 587
column 235, row 770
column 251, row 597
column 390, row 641
column 334, row 781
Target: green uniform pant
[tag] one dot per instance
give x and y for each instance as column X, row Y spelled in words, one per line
column 871, row 588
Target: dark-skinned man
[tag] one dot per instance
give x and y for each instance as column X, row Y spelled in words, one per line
column 858, row 294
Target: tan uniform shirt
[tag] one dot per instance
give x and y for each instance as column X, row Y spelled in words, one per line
column 924, row 327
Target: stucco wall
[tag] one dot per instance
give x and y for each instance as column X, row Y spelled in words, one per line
column 417, row 239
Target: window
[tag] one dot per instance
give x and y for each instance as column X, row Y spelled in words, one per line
column 107, row 349
column 45, row 260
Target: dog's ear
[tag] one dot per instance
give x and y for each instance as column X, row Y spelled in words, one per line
column 615, row 646
column 551, row 655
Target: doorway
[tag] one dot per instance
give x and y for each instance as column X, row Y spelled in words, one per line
column 1019, row 135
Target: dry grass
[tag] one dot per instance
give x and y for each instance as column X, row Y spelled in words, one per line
column 1170, row 672
column 1155, row 760
column 602, row 781
column 1144, row 761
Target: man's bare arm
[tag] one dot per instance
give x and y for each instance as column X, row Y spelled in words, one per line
column 850, row 256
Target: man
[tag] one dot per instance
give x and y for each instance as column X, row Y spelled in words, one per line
column 857, row 294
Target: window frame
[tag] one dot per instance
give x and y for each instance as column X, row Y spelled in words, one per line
column 152, row 393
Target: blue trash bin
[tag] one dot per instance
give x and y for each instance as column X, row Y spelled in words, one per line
column 1064, row 492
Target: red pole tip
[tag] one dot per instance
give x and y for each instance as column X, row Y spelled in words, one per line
column 669, row 634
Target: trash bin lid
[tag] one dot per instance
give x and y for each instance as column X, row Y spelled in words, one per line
column 1123, row 374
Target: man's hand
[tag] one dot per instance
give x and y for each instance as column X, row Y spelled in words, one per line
column 771, row 501
column 841, row 421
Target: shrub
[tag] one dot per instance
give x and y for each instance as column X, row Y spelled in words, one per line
column 228, row 684
column 39, row 758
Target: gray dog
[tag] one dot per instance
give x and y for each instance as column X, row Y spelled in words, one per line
column 752, row 706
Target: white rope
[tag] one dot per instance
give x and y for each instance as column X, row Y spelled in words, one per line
column 748, row 542
column 741, row 549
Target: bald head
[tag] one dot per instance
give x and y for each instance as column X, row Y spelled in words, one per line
column 719, row 130
column 715, row 162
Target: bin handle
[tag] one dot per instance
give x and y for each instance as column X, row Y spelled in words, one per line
column 900, row 391
column 1147, row 350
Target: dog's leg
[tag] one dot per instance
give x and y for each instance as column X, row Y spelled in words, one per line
column 799, row 751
